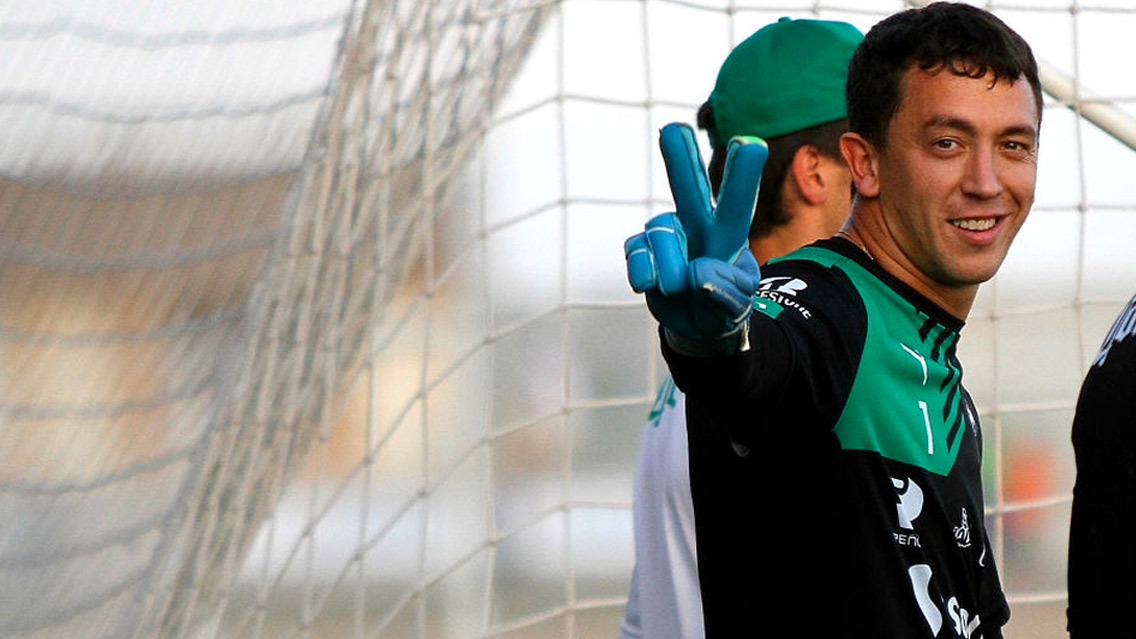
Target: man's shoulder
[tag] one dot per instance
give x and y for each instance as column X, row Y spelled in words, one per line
column 814, row 279
column 826, row 252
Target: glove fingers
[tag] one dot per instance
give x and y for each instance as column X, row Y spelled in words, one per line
column 641, row 272
column 666, row 241
column 689, row 185
column 745, row 159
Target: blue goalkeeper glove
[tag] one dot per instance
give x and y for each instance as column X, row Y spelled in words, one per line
column 694, row 265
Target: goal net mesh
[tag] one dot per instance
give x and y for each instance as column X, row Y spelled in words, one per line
column 313, row 320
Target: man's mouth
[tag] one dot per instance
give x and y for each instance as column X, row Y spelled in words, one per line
column 982, row 224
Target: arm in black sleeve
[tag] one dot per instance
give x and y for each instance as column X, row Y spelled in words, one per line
column 806, row 335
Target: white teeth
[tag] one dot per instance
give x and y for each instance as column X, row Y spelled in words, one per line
column 975, row 225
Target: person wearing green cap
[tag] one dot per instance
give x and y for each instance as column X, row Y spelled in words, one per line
column 833, row 371
column 784, row 83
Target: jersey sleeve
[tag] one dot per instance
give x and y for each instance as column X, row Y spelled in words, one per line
column 806, row 334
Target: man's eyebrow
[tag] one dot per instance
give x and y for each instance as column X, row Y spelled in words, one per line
column 965, row 126
column 950, row 122
column 1021, row 130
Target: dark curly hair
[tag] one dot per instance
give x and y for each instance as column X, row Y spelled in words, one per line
column 960, row 38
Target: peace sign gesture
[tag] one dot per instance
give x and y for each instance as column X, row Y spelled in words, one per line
column 694, row 265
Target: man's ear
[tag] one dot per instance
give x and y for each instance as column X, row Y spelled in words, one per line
column 863, row 162
column 805, row 169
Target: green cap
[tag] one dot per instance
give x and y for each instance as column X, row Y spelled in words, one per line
column 787, row 76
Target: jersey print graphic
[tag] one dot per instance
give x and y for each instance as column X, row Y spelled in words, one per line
column 919, row 358
column 920, row 576
column 908, row 507
column 775, row 294
column 962, row 531
column 910, row 503
column 663, row 400
column 784, row 285
column 962, row 621
column 952, row 383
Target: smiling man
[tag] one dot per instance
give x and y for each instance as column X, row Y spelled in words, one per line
column 948, row 181
column 834, row 372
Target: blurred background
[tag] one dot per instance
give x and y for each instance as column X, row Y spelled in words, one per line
column 314, row 323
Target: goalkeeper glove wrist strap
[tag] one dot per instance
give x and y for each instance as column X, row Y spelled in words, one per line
column 723, row 346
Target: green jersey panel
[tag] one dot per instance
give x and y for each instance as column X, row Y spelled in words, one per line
column 907, row 365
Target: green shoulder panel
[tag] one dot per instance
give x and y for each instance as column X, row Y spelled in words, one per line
column 906, row 400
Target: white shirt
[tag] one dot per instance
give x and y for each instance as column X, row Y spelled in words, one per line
column 664, row 601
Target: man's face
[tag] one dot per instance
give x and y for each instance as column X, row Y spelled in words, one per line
column 957, row 177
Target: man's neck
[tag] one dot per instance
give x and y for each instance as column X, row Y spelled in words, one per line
column 956, row 300
column 783, row 240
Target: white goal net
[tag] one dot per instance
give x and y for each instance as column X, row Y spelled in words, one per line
column 313, row 318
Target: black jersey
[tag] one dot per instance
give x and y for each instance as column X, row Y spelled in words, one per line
column 835, row 465
column 1102, row 556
